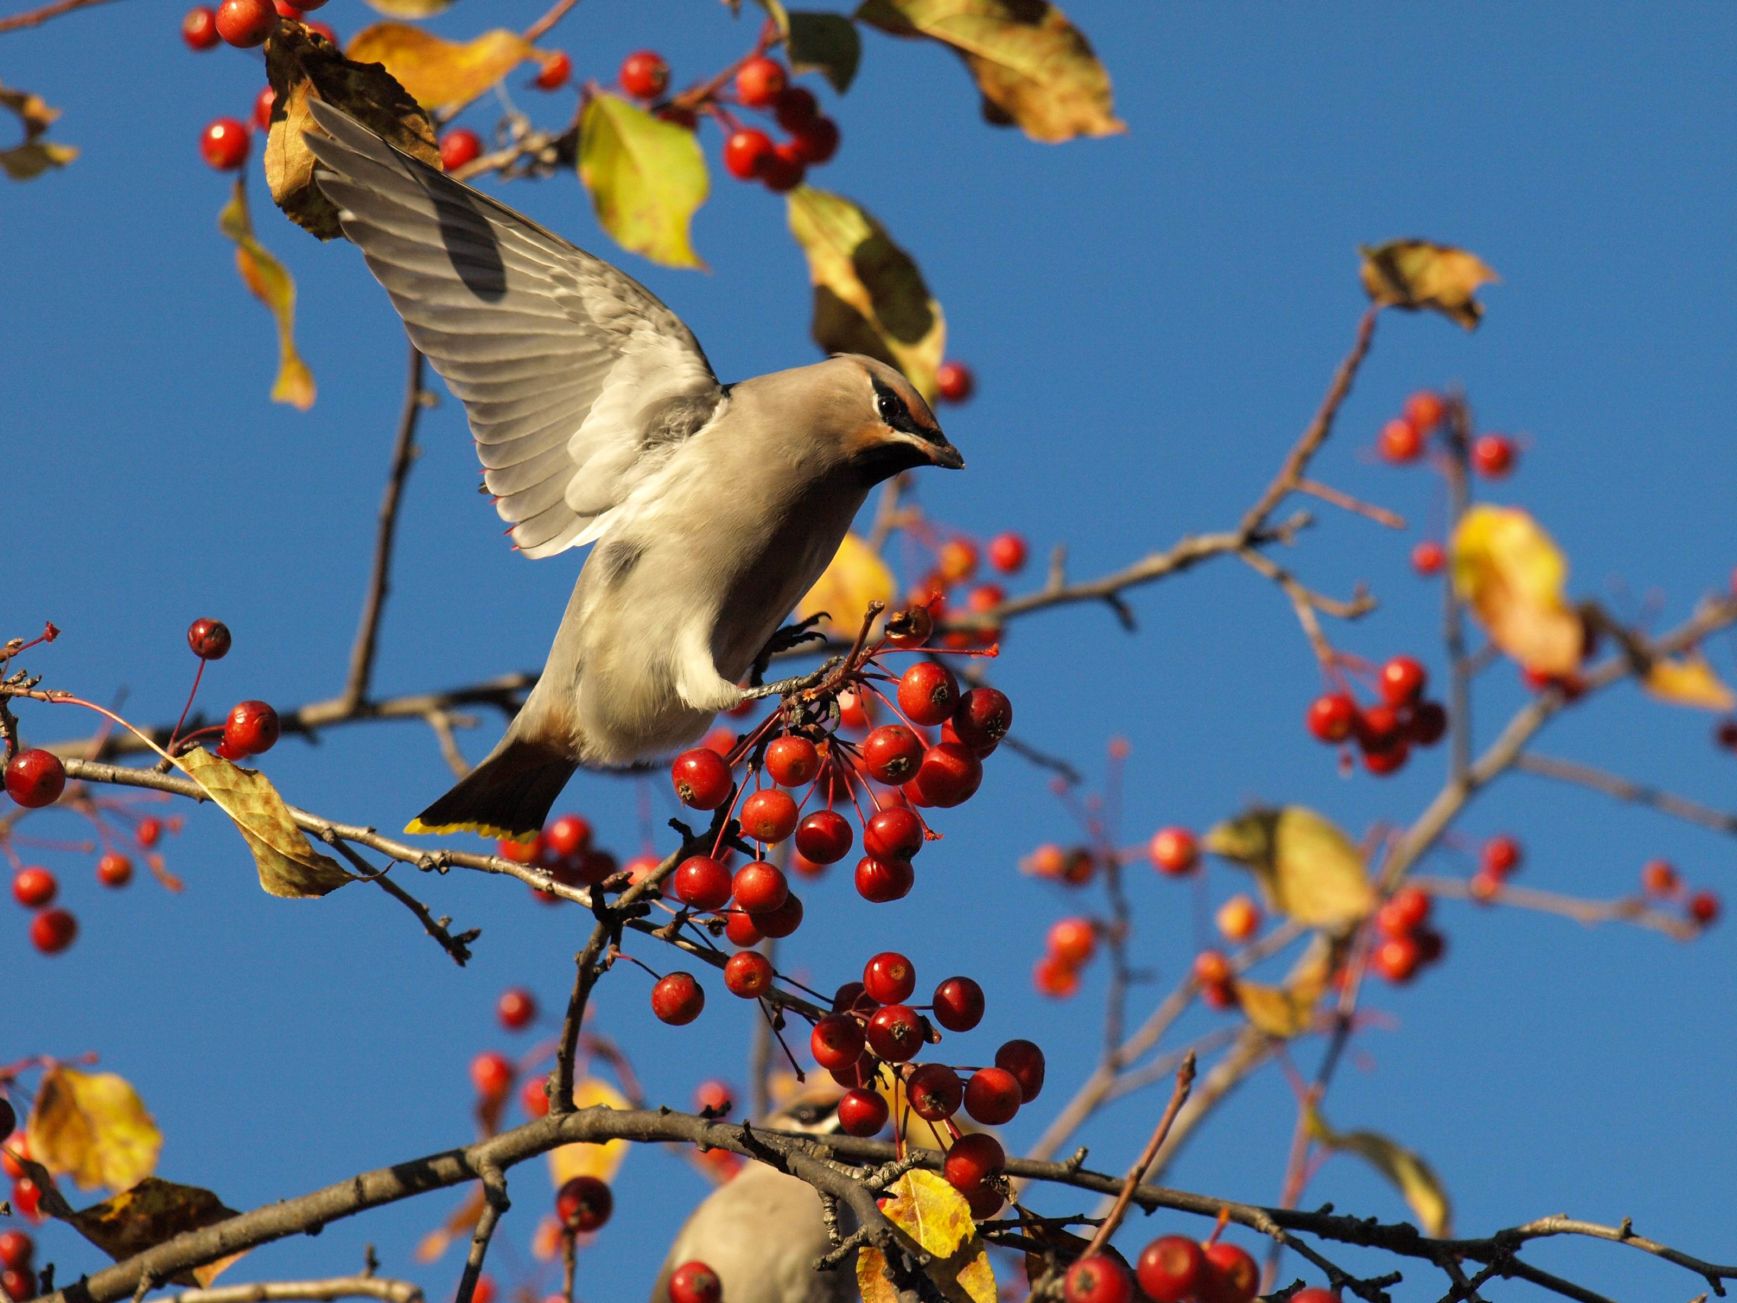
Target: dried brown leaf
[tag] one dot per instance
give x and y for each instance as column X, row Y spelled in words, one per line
column 1416, row 274
column 147, row 1215
column 288, row 865
column 32, row 156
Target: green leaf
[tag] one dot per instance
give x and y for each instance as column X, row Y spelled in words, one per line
column 1414, row 1178
column 825, row 43
column 647, row 178
column 869, row 296
column 271, row 284
column 1308, row 869
column 33, row 156
column 288, row 865
column 1033, row 66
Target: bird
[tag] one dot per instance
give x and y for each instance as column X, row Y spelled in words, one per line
column 709, row 508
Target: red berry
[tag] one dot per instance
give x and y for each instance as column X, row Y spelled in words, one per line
column 881, row 881
column 1427, row 723
column 516, row 1008
column 1171, row 1269
column 816, row 141
column 746, row 153
column 957, row 560
column 895, row 1032
column 1025, row 1061
column 740, row 928
column 837, row 1041
column 792, row 761
column 1073, row 940
column 199, row 28
column 252, row 728
column 677, row 999
column 19, row 1284
column 27, row 1201
column 893, row 834
column 224, row 144
column 644, row 74
column 459, row 146
column 1725, row 734
column 1174, row 851
column 263, row 104
column 14, row 1145
column 993, row 1096
column 784, row 168
column 949, row 774
column 1007, row 553
column 958, row 1004
column 1231, row 1275
column 954, row 382
column 972, row 1159
column 1427, row 557
column 1400, row 442
column 889, row 977
column 748, row 973
column 1379, row 728
column 1431, row 946
column 114, row 870
column 1425, row 409
column 1097, row 1279
column 702, row 779
column 554, row 71
column 934, row 1091
column 1704, row 908
column 783, row 920
column 34, row 887
column 1659, row 878
column 891, row 753
column 760, row 81
column 1387, row 760
column 1493, row 455
column 702, row 882
column 1397, row 958
column 1332, row 716
column 824, row 837
column 1404, row 912
column 1238, row 919
column 246, row 23
column 149, row 831
column 1315, row 1294
column 569, row 835
column 695, row 1282
column 982, row 719
column 1500, row 856
column 492, row 1073
column 16, row 1250
column 796, row 107
column 760, row 887
column 928, row 693
column 714, row 1097
column 768, row 816
column 583, row 1203
column 862, row 1112
column 534, row 1097
column 1055, row 977
column 36, row 778
column 1402, row 681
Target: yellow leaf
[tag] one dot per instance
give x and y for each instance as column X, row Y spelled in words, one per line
column 1415, row 1180
column 869, row 296
column 268, row 282
column 855, row 578
column 1276, row 1010
column 1414, row 274
column 288, row 865
column 440, row 74
column 1511, row 575
column 92, row 1126
column 149, row 1214
column 1308, row 869
column 411, row 8
column 601, row 1161
column 937, row 1217
column 32, row 156
column 1033, row 66
column 647, row 178
column 1689, row 681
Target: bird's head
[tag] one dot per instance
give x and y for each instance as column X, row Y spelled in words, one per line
column 881, row 422
column 812, row 1107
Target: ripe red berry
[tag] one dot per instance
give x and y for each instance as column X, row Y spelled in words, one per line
column 783, row 920
column 760, row 887
column 1174, row 851
column 784, row 168
column 644, row 74
column 862, row 1112
column 252, row 728
column 1424, row 409
column 19, row 1284
column 760, row 81
column 1171, row 1269
column 993, row 1096
column 199, row 28
column 1704, row 908
column 34, row 886
column 1404, row 912
column 1055, row 977
column 972, row 1159
column 702, row 882
column 114, row 870
column 928, row 693
column 1379, row 728
column 149, row 831
column 954, row 382
column 889, row 977
column 677, row 999
column 1007, row 553
column 1427, row 723
column 492, row 1073
column 895, row 1033
column 934, row 1091
column 1238, row 919
column 891, row 754
column 695, row 1282
column 1097, row 1279
column 714, row 1097
column 583, row 1203
column 816, row 141
column 553, row 72
column 836, row 1042
column 1400, row 442
column 263, row 104
column 35, row 778
column 1315, row 1294
column 1212, row 968
column 246, row 23
column 1231, row 1275
column 1427, row 557
column 949, row 774
column 748, row 973
column 881, row 881
column 534, row 1097
column 982, row 719
column 958, row 1004
column 16, row 1250
column 768, row 816
column 569, row 835
column 1659, row 878
column 1500, row 856
column 1402, row 681
column 1493, row 455
column 702, row 779
column 741, row 930
column 1397, row 958
column 792, row 761
column 796, row 106
column 1073, row 940
column 1025, row 1061
column 893, row 834
column 824, row 837
column 459, row 146
column 516, row 1008
column 746, row 153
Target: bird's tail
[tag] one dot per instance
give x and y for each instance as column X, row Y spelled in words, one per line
column 508, row 795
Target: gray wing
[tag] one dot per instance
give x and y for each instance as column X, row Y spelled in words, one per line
column 577, row 380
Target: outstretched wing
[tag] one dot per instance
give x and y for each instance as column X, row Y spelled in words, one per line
column 577, row 380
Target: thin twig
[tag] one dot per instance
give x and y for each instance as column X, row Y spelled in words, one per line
column 36, row 17
column 1137, row 1173
column 275, row 1291
column 1587, row 912
column 495, row 1204
column 1623, row 789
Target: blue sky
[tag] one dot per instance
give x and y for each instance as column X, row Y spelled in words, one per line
column 1152, row 318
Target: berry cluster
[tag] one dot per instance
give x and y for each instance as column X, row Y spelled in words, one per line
column 954, row 577
column 17, row 1265
column 1175, row 1269
column 1385, row 731
column 16, row 1255
column 1405, row 438
column 226, row 142
column 1661, row 881
column 750, row 154
column 1405, row 942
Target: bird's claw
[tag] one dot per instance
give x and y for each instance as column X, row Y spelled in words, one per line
column 790, row 637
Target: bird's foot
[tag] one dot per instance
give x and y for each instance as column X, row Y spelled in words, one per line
column 790, row 637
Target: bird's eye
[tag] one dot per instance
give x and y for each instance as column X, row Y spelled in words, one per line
column 890, row 408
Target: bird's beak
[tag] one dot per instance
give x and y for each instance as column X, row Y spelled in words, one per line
column 945, row 455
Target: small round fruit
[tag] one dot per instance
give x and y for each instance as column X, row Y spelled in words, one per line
column 246, row 23
column 1007, row 553
column 695, row 1282
column 1171, row 1269
column 17, row 1250
column 893, row 834
column 1404, row 912
column 760, row 887
column 1025, row 1061
column 1493, row 456
column 958, row 1004
column 836, row 1041
column 928, row 693
column 644, row 74
column 702, row 779
column 1397, row 959
column 862, row 1112
column 677, row 999
column 1400, row 442
column 891, row 754
column 1402, row 680
column 769, row 816
column 954, row 382
column 760, row 81
column 1073, row 940
column 35, row 778
column 492, row 1073
column 796, row 107
column 1427, row 724
column 934, row 1091
column 149, row 831
column 882, row 881
column 553, row 72
column 1424, row 409
column 224, row 144
column 783, row 169
column 816, row 141
column 1174, row 851
column 1315, row 1294
column 1428, row 557
column 889, row 977
column 895, row 1033
column 993, row 1096
column 1231, row 1275
column 702, row 882
column 780, row 922
column 983, row 718
column 459, row 146
column 1659, row 878
column 53, row 930
column 516, row 1008
column 199, row 28
column 949, row 774
column 792, row 761
column 1500, row 856
column 263, row 104
column 1212, row 968
column 1703, row 908
column 746, row 153
column 114, row 870
column 18, row 1284
column 34, row 886
column 568, row 835
column 1097, row 1279
column 583, row 1203
column 749, row 974
column 1054, row 977
column 1331, row 717
column 252, row 728
column 740, row 929
column 824, row 837
column 534, row 1097
column 1238, row 919
column 973, row 1159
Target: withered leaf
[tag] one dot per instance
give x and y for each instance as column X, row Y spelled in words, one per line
column 1411, row 1175
column 93, row 1127
column 438, row 73
column 268, row 282
column 150, row 1213
column 411, row 8
column 1416, row 274
column 32, row 156
column 1511, row 575
column 288, row 865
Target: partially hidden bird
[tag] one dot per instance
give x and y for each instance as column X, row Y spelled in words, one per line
column 710, row 508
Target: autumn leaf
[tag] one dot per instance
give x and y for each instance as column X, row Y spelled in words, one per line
column 93, row 1127
column 1277, row 1010
column 1307, row 868
column 938, row 1218
column 32, row 156
column 1688, row 681
column 855, row 578
column 647, row 178
column 1511, row 575
column 268, row 282
column 1416, row 274
column 288, row 865
column 299, row 68
column 1416, row 1181
column 1032, row 65
column 411, row 8
column 438, row 73
column 601, row 1161
column 150, row 1213
column 869, row 296
column 818, row 42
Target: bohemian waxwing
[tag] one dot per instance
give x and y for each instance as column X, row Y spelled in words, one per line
column 598, row 420
column 761, row 1231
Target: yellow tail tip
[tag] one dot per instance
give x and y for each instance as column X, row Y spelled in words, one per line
column 418, row 828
